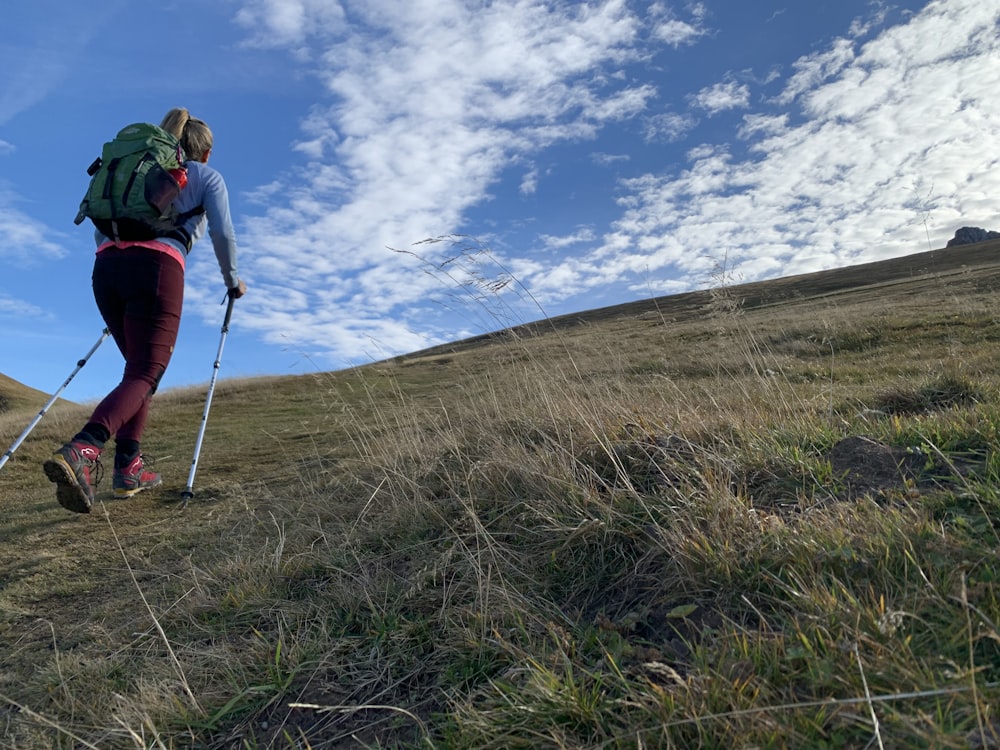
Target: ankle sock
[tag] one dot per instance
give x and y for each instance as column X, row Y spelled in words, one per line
column 93, row 434
column 125, row 452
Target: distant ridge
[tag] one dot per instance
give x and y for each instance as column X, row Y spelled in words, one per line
column 983, row 257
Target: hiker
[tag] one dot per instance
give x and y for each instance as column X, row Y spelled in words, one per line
column 139, row 289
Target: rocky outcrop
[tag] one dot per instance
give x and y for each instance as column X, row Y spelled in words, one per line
column 972, row 235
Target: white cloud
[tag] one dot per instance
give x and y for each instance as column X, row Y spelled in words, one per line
column 322, row 137
column 862, row 26
column 760, row 125
column 668, row 126
column 583, row 235
column 722, row 96
column 10, row 307
column 608, row 159
column 26, row 240
column 6, row 148
column 529, row 183
column 674, row 31
column 812, row 70
column 290, row 23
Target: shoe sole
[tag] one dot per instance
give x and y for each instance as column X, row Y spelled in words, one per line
column 70, row 494
column 122, row 492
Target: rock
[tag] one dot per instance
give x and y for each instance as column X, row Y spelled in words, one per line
column 971, row 235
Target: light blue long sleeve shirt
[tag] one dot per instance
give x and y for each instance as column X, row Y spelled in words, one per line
column 205, row 187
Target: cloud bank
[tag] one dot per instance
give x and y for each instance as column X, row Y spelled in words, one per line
column 431, row 102
column 869, row 147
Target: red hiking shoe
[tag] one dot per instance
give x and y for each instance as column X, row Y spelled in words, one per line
column 71, row 468
column 134, row 478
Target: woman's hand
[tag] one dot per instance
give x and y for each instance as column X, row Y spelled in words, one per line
column 238, row 291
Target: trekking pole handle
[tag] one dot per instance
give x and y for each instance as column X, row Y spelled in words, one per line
column 229, row 310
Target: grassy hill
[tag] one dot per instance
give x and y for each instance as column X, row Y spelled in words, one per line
column 15, row 396
column 764, row 515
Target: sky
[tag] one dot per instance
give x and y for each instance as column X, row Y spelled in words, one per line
column 404, row 173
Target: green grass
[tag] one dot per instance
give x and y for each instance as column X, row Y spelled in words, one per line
column 762, row 517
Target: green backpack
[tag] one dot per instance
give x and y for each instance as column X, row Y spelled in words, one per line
column 134, row 183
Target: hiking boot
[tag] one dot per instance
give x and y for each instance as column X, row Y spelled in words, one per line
column 134, row 478
column 71, row 468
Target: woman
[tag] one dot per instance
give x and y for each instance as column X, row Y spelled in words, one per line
column 139, row 289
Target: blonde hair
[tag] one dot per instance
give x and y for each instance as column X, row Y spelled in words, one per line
column 195, row 136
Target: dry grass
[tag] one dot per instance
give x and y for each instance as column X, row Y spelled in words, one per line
column 761, row 517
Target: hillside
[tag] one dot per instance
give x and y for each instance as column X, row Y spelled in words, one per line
column 763, row 515
column 15, row 395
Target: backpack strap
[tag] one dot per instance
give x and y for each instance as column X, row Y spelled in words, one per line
column 197, row 211
column 181, row 234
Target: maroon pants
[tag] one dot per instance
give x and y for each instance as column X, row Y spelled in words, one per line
column 139, row 293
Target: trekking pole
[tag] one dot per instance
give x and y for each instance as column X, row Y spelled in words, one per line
column 17, row 443
column 189, row 490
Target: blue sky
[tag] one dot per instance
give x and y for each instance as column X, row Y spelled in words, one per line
column 591, row 152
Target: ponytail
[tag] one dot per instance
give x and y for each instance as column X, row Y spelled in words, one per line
column 175, row 121
column 195, row 136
